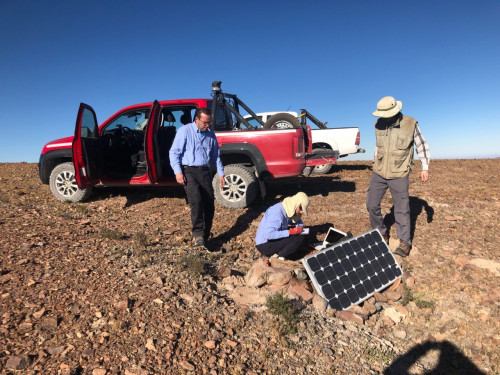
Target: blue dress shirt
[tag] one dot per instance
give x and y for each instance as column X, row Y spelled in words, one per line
column 274, row 224
column 193, row 148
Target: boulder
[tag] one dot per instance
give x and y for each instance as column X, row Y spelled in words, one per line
column 278, row 276
column 256, row 275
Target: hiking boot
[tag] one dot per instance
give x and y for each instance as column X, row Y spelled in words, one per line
column 403, row 249
column 198, row 241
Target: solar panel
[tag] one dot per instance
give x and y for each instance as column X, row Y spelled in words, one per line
column 349, row 272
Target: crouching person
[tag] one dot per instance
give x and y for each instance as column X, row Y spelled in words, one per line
column 280, row 228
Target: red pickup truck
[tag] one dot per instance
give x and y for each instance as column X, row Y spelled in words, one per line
column 131, row 148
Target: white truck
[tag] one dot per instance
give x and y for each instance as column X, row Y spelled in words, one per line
column 345, row 140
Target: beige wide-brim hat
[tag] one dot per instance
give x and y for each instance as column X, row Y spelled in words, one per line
column 291, row 203
column 388, row 107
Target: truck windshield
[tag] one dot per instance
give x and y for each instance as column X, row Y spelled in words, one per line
column 134, row 120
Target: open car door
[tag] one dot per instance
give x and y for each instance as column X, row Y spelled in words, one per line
column 87, row 148
column 151, row 145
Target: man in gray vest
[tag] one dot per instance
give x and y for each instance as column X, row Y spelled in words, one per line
column 397, row 135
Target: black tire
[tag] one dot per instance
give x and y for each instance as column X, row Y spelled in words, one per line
column 323, row 168
column 63, row 184
column 241, row 187
column 282, row 121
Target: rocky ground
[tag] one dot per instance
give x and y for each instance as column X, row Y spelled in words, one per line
column 112, row 286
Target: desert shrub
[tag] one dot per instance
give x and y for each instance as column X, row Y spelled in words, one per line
column 372, row 353
column 140, row 240
column 81, row 209
column 407, row 296
column 419, row 300
column 111, row 234
column 280, row 306
column 193, row 263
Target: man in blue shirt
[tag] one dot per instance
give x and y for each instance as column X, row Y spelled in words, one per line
column 194, row 148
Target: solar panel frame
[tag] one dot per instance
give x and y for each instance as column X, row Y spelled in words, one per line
column 344, row 280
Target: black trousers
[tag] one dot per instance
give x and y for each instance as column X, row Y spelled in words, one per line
column 200, row 195
column 283, row 246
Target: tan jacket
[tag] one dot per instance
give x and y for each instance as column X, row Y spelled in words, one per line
column 395, row 149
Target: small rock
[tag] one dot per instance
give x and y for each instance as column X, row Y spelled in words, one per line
column 393, row 314
column 99, row 371
column 227, row 246
column 299, row 289
column 25, row 326
column 209, row 344
column 395, row 284
column 385, row 321
column 38, row 314
column 462, row 261
column 150, row 345
column 49, row 323
column 379, row 297
column 300, row 274
column 122, row 305
column 393, row 295
column 370, row 307
column 187, row 366
column 98, row 324
column 400, row 334
column 402, row 310
column 17, row 362
column 349, row 316
column 223, row 271
column 410, row 281
column 319, row 302
column 65, row 370
column 360, row 311
column 55, row 350
column 451, row 218
column 231, row 343
column 136, row 371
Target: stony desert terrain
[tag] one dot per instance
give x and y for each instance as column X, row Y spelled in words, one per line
column 112, row 285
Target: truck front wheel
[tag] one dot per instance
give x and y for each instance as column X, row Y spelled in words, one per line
column 240, row 189
column 282, row 121
column 63, row 184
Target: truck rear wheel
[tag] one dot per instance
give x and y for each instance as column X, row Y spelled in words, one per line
column 63, row 184
column 321, row 169
column 240, row 189
column 282, row 121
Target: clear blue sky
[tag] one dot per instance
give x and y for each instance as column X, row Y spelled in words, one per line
column 334, row 58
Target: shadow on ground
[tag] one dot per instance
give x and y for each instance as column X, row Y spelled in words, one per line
column 136, row 195
column 417, row 206
column 451, row 360
column 349, row 167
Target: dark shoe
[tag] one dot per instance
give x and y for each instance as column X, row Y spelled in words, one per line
column 198, row 241
column 403, row 249
column 386, row 238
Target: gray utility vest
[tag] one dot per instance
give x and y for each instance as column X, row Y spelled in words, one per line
column 394, row 147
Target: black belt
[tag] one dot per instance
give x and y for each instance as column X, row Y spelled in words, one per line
column 200, row 168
